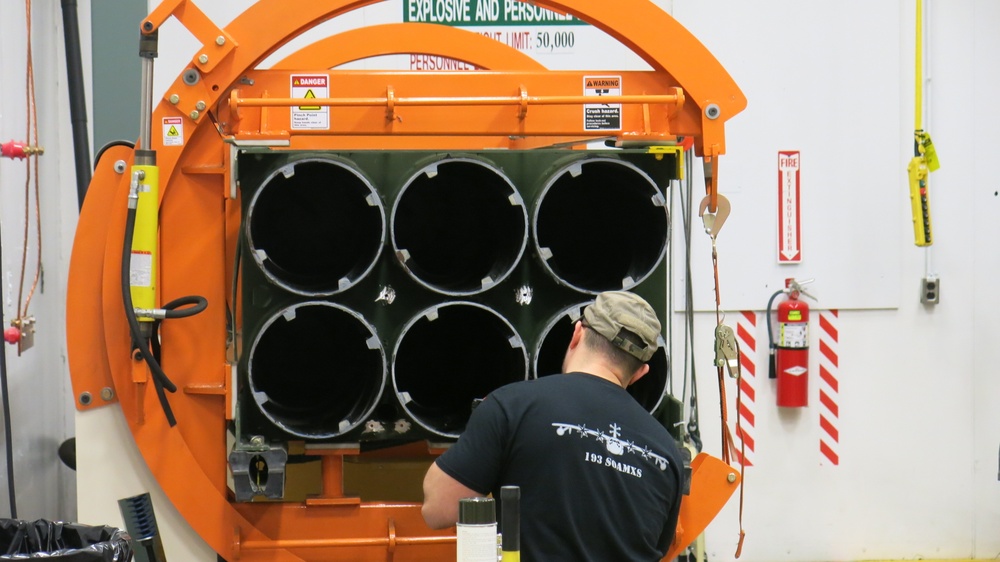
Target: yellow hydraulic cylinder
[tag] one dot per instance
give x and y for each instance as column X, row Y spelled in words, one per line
column 142, row 266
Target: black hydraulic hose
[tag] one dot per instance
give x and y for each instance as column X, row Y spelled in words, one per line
column 6, row 417
column 173, row 309
column 77, row 98
column 141, row 343
column 772, row 370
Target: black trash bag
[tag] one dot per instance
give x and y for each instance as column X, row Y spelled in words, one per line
column 67, row 542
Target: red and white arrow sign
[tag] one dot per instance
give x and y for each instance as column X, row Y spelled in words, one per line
column 789, row 226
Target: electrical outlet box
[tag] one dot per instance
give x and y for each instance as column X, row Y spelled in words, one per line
column 930, row 290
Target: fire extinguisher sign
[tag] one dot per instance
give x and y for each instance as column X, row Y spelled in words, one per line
column 789, row 225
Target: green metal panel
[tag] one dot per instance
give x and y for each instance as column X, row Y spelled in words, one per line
column 388, row 174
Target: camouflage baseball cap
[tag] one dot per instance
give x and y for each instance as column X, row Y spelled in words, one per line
column 627, row 321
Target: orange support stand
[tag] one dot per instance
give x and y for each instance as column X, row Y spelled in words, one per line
column 333, row 479
column 512, row 103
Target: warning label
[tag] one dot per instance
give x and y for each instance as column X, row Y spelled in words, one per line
column 602, row 116
column 173, row 131
column 310, row 87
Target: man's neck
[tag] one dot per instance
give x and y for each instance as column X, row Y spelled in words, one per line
column 598, row 370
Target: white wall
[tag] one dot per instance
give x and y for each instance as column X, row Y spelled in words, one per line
column 919, row 422
column 919, row 402
column 40, row 393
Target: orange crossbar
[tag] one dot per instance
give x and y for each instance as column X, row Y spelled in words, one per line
column 666, row 99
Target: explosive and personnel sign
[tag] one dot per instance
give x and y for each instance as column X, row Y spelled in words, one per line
column 483, row 12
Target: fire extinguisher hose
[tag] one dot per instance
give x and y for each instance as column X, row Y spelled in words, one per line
column 772, row 371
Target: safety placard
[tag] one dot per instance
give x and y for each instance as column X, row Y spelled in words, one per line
column 789, row 224
column 602, row 116
column 173, row 131
column 309, row 87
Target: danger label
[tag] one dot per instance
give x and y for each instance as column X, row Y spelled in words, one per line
column 309, row 116
column 173, row 131
column 602, row 116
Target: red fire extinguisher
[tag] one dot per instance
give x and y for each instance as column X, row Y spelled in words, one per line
column 790, row 350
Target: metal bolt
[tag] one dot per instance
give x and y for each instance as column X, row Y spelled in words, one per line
column 220, row 40
column 203, row 59
column 731, row 478
column 85, row 398
column 523, row 295
column 195, row 115
column 257, row 440
column 175, row 99
column 200, row 106
column 120, row 166
column 712, row 111
column 148, row 26
column 386, row 295
column 107, row 393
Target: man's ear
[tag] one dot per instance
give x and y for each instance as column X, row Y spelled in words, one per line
column 641, row 372
column 577, row 334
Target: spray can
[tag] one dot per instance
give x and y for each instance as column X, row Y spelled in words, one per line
column 476, row 532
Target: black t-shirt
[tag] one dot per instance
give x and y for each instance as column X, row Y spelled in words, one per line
column 600, row 478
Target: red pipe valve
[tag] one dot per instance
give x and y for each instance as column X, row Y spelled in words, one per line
column 14, row 149
column 12, row 335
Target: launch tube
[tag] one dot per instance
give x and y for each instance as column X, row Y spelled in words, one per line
column 459, row 226
column 316, row 370
column 600, row 224
column 316, row 226
column 554, row 340
column 448, row 357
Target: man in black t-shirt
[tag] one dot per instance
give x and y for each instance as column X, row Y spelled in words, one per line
column 600, row 478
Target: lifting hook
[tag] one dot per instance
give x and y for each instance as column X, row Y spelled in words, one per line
column 713, row 222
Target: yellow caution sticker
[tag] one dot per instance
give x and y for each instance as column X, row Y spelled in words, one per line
column 173, row 131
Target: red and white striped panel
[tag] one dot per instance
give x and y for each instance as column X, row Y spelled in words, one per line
column 829, row 387
column 746, row 333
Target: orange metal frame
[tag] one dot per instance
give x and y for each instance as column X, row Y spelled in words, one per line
column 513, row 102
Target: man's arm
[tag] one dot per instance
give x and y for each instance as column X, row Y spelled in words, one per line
column 441, row 495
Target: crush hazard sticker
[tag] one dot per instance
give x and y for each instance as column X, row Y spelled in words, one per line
column 308, row 116
column 602, row 116
column 173, row 131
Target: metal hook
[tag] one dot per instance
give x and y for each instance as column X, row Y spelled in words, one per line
column 713, row 222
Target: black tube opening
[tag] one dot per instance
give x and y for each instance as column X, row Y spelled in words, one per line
column 459, row 227
column 600, row 224
column 438, row 368
column 316, row 227
column 647, row 391
column 316, row 370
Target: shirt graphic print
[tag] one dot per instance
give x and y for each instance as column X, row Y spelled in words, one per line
column 615, row 446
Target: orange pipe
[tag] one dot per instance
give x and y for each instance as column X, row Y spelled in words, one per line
column 327, row 543
column 236, row 103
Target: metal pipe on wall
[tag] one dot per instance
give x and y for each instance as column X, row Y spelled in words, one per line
column 77, row 99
